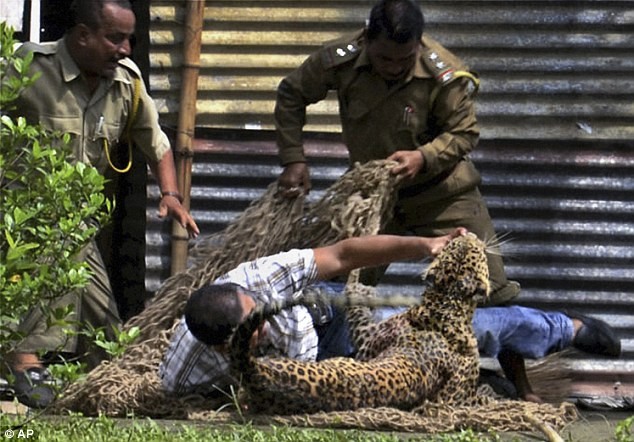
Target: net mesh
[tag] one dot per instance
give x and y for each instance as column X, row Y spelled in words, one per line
column 356, row 204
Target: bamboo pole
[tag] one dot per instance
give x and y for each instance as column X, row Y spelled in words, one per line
column 186, row 124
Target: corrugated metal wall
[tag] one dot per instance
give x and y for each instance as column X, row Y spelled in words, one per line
column 557, row 154
column 550, row 69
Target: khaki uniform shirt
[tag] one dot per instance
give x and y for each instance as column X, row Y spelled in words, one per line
column 432, row 110
column 59, row 100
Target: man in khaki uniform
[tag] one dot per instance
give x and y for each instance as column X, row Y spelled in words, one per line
column 86, row 88
column 404, row 97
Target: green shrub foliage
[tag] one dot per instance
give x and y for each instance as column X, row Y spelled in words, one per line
column 49, row 207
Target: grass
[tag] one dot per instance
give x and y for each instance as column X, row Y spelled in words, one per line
column 76, row 428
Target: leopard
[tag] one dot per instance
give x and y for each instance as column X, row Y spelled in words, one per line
column 426, row 353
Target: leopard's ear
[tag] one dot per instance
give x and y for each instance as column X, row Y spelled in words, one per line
column 428, row 274
column 429, row 278
column 428, row 282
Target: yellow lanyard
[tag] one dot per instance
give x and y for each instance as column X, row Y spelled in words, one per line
column 126, row 130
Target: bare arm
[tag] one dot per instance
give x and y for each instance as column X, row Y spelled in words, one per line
column 165, row 173
column 514, row 368
column 376, row 250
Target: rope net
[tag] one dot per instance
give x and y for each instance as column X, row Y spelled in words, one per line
column 359, row 203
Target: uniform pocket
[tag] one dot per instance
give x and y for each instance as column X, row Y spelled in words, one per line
column 89, row 137
column 411, row 126
column 71, row 125
column 65, row 124
column 356, row 109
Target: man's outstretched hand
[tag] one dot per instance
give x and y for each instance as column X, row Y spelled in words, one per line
column 438, row 243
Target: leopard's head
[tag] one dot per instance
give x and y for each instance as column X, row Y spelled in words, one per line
column 460, row 272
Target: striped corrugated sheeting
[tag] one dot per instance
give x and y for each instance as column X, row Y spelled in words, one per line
column 549, row 69
column 556, row 109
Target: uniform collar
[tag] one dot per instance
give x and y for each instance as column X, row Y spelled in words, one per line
column 70, row 69
column 363, row 61
column 420, row 69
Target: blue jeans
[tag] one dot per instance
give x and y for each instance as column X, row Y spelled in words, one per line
column 531, row 332
column 334, row 334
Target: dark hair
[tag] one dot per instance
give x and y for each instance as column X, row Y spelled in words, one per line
column 213, row 311
column 399, row 20
column 90, row 12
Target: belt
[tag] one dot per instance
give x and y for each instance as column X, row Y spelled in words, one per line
column 410, row 191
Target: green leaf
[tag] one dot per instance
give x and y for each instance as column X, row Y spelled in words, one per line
column 20, row 216
column 15, row 253
column 9, row 238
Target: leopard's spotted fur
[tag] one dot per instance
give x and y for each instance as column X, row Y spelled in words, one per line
column 427, row 352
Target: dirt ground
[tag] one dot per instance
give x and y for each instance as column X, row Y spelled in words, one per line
column 593, row 426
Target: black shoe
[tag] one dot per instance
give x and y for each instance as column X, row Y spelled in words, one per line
column 609, row 403
column 34, row 387
column 595, row 336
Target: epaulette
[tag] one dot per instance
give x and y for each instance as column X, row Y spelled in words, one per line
column 445, row 67
column 341, row 51
column 130, row 65
column 48, row 48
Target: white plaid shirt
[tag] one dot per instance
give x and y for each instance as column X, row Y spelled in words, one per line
column 189, row 366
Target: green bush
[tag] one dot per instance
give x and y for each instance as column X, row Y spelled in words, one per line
column 49, row 207
column 624, row 430
column 75, row 428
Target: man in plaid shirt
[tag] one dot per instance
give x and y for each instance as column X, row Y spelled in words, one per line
column 197, row 359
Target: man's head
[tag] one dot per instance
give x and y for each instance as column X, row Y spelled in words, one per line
column 214, row 310
column 393, row 37
column 100, row 35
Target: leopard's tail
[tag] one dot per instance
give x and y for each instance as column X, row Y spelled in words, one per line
column 312, row 298
column 239, row 346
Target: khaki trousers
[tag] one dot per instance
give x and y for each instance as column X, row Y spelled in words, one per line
column 94, row 305
column 437, row 218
